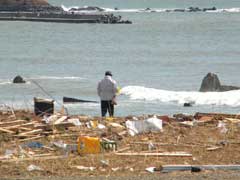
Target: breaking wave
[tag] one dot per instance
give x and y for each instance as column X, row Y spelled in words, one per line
column 56, row 77
column 229, row 98
column 85, row 9
column 5, row 82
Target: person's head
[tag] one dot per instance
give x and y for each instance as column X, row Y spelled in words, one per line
column 108, row 73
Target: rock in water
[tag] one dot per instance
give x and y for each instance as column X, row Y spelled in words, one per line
column 211, row 83
column 18, row 79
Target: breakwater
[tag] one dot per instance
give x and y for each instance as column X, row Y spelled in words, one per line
column 62, row 17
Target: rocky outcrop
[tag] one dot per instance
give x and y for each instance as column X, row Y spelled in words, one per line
column 211, row 83
column 23, row 3
column 18, row 79
column 26, row 5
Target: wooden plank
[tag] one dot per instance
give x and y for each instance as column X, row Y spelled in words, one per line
column 123, row 149
column 7, row 123
column 18, row 126
column 42, row 155
column 173, row 144
column 232, row 120
column 60, row 120
column 32, row 138
column 169, row 154
column 36, row 131
column 213, row 148
column 199, row 115
column 33, row 159
column 6, row 131
column 24, row 135
column 25, row 129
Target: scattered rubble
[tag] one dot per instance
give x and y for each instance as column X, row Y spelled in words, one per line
column 65, row 145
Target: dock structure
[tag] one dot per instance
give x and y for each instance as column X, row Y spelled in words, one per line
column 42, row 11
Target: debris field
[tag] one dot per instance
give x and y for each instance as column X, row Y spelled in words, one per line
column 121, row 146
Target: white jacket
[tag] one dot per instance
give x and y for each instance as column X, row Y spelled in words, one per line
column 107, row 88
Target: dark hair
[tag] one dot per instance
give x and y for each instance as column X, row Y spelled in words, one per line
column 108, row 73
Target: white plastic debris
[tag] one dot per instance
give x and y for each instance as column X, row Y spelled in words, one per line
column 60, row 144
column 116, row 125
column 115, row 169
column 33, row 167
column 148, row 125
column 88, row 125
column 151, row 146
column 9, row 153
column 150, row 169
column 75, row 121
column 222, row 127
column 105, row 163
column 49, row 119
column 101, row 126
column 84, row 168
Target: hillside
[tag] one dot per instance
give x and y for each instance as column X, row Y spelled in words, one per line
column 23, row 2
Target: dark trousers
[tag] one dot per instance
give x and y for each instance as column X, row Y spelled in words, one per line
column 107, row 106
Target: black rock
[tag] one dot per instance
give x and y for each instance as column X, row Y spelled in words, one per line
column 195, row 169
column 187, row 104
column 18, row 79
column 211, row 83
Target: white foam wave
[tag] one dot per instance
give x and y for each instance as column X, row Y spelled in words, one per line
column 5, row 82
column 232, row 10
column 229, row 10
column 57, row 77
column 146, row 10
column 229, row 98
column 68, row 8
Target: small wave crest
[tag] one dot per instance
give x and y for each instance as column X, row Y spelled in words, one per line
column 229, row 98
column 5, row 82
column 56, row 78
column 88, row 9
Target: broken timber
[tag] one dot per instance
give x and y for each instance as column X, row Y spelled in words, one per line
column 169, row 154
column 33, row 159
column 6, row 131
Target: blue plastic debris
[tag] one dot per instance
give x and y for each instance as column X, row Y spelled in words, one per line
column 33, row 145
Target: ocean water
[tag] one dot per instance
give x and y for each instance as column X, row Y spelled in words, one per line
column 159, row 61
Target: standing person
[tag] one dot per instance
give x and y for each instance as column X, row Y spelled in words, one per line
column 107, row 90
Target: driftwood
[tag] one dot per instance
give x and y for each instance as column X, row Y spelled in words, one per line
column 36, row 131
column 60, row 120
column 171, row 144
column 6, row 131
column 169, row 154
column 33, row 159
column 7, row 123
